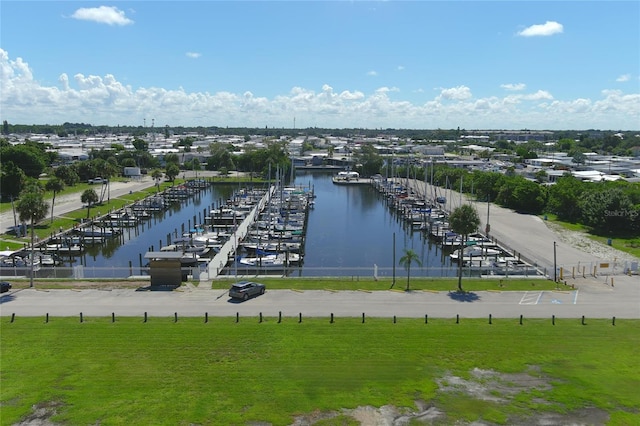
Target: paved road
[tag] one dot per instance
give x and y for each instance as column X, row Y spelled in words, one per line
column 592, row 298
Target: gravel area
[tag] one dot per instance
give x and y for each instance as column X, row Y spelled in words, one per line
column 581, row 241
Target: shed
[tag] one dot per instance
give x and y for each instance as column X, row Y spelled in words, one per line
column 165, row 268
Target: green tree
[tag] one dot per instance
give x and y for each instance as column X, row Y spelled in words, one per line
column 463, row 221
column 54, row 185
column 541, row 176
column 564, row 198
column 12, row 180
column 172, row 171
column 521, row 194
column 89, row 197
column 140, row 145
column 32, row 207
column 408, row 258
column 609, row 210
column 128, row 162
column 369, row 161
column 67, row 174
column 486, row 185
column 30, row 157
column 172, row 158
column 220, row 157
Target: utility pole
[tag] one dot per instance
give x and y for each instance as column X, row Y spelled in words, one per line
column 393, row 282
column 555, row 269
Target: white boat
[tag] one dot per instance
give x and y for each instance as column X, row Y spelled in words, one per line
column 476, row 251
column 13, row 264
column 63, row 247
column 270, row 261
column 348, row 177
column 272, row 246
column 451, row 239
column 499, row 266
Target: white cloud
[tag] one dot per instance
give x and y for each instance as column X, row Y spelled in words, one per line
column 538, row 96
column 514, row 87
column 546, row 29
column 351, row 96
column 623, row 78
column 193, row 55
column 400, row 68
column 372, row 73
column 387, row 89
column 109, row 15
column 104, row 100
column 459, row 93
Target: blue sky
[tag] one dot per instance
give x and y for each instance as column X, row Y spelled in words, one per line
column 388, row 64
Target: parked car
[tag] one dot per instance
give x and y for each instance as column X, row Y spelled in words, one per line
column 98, row 180
column 5, row 286
column 246, row 289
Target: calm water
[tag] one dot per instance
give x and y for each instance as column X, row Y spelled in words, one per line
column 350, row 233
column 351, row 229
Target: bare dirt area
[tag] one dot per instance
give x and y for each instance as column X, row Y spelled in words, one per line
column 41, row 415
column 484, row 385
column 581, row 241
column 83, row 284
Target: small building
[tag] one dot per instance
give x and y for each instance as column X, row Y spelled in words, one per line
column 133, row 172
column 165, row 268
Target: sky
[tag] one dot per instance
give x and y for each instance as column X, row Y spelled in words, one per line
column 539, row 65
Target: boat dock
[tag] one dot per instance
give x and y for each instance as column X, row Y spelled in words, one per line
column 216, row 265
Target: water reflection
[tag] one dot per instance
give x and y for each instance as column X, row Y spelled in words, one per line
column 350, row 232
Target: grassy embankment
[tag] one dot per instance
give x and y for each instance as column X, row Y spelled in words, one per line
column 223, row 372
column 46, row 228
column 627, row 244
column 327, row 283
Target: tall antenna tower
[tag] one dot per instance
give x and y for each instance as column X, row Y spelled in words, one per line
column 153, row 134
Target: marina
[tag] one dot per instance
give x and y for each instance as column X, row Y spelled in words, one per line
column 310, row 227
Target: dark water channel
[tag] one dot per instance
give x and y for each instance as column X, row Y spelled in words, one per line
column 351, row 232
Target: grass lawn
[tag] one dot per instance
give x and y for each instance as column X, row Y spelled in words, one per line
column 326, row 283
column 227, row 373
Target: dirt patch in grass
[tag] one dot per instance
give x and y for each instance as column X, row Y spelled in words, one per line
column 41, row 415
column 489, row 385
column 84, row 284
column 484, row 385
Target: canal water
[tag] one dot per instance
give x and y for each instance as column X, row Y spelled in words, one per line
column 351, row 231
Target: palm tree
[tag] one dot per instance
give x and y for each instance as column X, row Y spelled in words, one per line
column 89, row 197
column 157, row 176
column 463, row 221
column 31, row 206
column 407, row 259
column 55, row 185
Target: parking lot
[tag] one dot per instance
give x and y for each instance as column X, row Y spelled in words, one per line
column 592, row 298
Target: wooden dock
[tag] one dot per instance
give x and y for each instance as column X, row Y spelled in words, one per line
column 219, row 261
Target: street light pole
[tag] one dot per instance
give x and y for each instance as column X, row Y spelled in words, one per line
column 393, row 282
column 555, row 269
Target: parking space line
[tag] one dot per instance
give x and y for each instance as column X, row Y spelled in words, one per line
column 530, row 299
